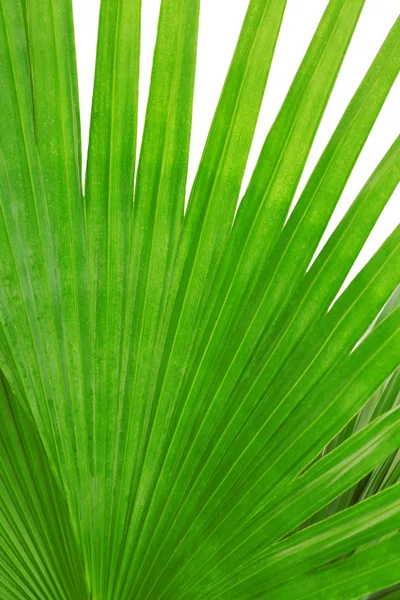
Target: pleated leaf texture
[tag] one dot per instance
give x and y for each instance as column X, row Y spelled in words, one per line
column 189, row 410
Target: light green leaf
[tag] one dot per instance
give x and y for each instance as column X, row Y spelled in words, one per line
column 108, row 200
column 189, row 408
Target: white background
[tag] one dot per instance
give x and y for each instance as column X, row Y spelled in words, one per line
column 220, row 24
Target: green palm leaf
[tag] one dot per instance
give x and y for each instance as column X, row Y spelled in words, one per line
column 189, row 409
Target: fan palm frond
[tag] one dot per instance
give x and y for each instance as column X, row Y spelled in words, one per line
column 191, row 407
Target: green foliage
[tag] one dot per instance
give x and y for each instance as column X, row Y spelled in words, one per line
column 187, row 411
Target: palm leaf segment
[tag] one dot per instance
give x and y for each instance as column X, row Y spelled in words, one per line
column 184, row 412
